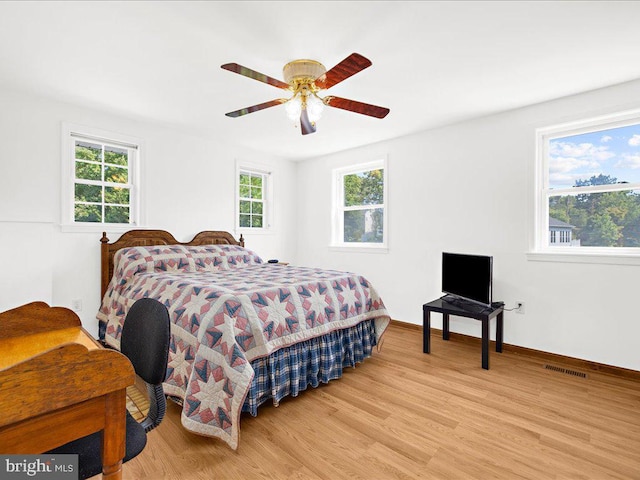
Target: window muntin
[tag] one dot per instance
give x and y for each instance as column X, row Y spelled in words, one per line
column 590, row 179
column 254, row 197
column 100, row 180
column 102, row 191
column 251, row 206
column 360, row 208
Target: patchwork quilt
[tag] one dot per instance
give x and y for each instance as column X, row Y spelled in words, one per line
column 227, row 308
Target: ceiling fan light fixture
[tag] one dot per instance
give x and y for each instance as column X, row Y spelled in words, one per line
column 313, row 104
column 315, row 107
column 305, row 80
column 301, row 75
column 293, row 107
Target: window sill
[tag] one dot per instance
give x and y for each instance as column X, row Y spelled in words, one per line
column 585, row 257
column 97, row 228
column 254, row 231
column 358, row 249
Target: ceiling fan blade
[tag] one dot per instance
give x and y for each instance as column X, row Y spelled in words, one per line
column 305, row 125
column 255, row 108
column 351, row 65
column 357, row 107
column 261, row 77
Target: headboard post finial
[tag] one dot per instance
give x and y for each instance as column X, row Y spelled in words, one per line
column 104, row 264
column 241, row 240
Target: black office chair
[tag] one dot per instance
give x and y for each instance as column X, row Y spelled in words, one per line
column 145, row 341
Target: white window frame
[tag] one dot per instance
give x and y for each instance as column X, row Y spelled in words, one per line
column 539, row 249
column 70, row 133
column 267, row 197
column 338, row 209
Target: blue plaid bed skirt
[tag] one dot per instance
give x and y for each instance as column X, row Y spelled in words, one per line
column 292, row 369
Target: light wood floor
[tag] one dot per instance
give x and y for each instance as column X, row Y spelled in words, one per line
column 404, row 414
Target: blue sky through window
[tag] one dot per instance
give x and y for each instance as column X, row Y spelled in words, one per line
column 614, row 152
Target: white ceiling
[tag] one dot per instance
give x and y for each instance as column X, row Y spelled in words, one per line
column 434, row 63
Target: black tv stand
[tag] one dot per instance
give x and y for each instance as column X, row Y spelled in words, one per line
column 448, row 305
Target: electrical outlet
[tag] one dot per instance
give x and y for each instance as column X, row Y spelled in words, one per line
column 76, row 305
column 520, row 307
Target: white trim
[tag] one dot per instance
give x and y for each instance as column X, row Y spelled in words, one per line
column 583, row 257
column 39, row 222
column 98, row 227
column 539, row 248
column 359, row 248
column 609, row 120
column 267, row 192
column 71, row 131
column 103, row 139
column 337, row 226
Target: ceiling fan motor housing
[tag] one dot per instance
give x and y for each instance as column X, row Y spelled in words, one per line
column 302, row 72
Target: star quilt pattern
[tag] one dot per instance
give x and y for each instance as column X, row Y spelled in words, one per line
column 227, row 308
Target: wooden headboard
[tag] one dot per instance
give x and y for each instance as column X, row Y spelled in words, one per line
column 137, row 238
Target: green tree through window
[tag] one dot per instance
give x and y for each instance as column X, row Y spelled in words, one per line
column 252, row 199
column 591, row 181
column 607, row 219
column 362, row 190
column 361, row 205
column 102, row 188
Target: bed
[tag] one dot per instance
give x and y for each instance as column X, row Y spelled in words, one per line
column 243, row 331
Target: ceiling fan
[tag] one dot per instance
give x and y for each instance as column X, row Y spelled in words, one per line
column 305, row 79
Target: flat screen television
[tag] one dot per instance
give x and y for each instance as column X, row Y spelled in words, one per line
column 468, row 277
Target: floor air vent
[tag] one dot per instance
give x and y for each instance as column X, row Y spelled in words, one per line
column 575, row 373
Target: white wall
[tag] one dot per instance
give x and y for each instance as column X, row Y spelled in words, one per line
column 188, row 186
column 468, row 188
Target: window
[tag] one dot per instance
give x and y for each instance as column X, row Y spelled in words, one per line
column 253, row 198
column 589, row 186
column 360, row 194
column 100, row 180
